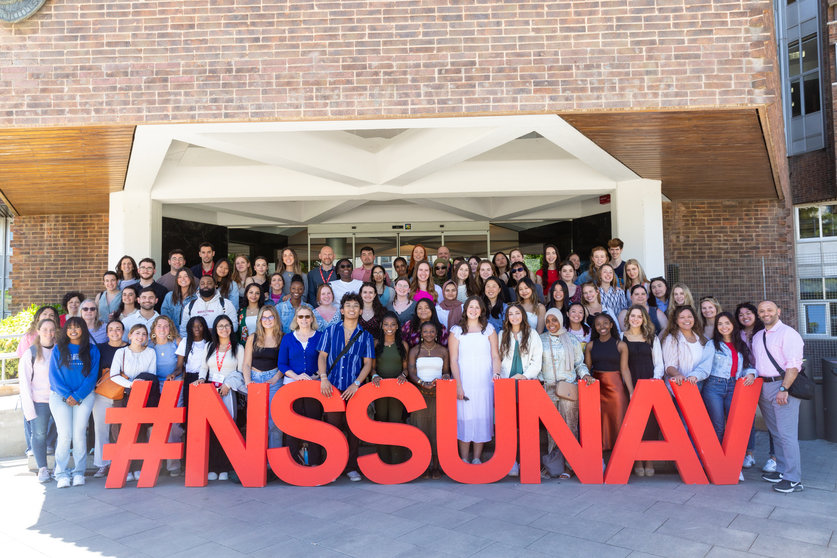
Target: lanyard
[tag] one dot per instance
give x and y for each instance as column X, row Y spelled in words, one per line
column 221, row 362
column 330, row 273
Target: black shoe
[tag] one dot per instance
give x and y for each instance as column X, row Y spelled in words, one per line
column 773, row 477
column 787, row 486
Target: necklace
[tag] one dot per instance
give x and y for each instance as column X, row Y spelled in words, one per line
column 428, row 349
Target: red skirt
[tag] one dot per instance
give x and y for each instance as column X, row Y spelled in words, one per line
column 614, row 398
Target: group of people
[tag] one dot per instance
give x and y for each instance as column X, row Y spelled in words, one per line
column 467, row 318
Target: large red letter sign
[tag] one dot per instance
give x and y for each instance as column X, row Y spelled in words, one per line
column 207, row 410
column 536, row 407
column 653, row 396
column 722, row 465
column 389, row 433
column 317, row 431
column 505, row 434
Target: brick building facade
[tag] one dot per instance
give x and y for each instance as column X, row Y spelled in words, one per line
column 122, row 64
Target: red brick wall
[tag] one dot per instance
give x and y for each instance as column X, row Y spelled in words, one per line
column 716, row 248
column 53, row 254
column 86, row 61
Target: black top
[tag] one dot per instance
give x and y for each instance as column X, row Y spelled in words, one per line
column 605, row 355
column 640, row 360
column 265, row 358
column 106, row 353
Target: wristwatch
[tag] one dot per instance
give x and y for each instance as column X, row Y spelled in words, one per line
column 357, row 383
column 783, row 388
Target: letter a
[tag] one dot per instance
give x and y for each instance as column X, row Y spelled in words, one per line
column 652, row 396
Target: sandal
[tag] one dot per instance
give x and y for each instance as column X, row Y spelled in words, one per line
column 545, row 474
column 649, row 470
column 437, row 474
column 638, row 470
column 565, row 476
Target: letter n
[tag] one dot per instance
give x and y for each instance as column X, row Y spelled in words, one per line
column 207, row 410
column 536, row 407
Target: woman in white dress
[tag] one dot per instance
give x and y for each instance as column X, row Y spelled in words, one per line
column 474, row 363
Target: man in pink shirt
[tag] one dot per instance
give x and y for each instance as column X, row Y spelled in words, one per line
column 780, row 410
column 367, row 258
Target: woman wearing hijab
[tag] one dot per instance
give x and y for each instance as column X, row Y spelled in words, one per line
column 449, row 309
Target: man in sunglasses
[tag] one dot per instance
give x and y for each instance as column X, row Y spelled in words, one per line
column 345, row 283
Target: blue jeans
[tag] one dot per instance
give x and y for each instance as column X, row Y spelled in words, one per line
column 274, row 439
column 71, row 423
column 717, row 396
column 39, row 426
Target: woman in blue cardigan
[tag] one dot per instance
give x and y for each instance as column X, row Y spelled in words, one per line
column 298, row 357
column 73, row 373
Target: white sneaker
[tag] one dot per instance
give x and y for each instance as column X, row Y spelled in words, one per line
column 749, row 461
column 130, row 477
column 212, row 476
column 515, row 470
column 78, row 480
column 101, row 472
column 43, row 475
column 476, row 461
column 740, row 476
column 769, row 466
column 225, row 476
column 174, row 473
column 354, row 476
column 64, row 482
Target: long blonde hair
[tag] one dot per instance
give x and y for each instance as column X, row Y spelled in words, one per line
column 36, row 342
column 260, row 333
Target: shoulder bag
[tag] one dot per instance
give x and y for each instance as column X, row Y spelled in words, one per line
column 563, row 389
column 802, row 387
column 107, row 387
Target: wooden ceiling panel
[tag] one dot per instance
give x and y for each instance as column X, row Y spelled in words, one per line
column 63, row 170
column 713, row 154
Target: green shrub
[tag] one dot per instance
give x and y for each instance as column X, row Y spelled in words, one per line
column 13, row 325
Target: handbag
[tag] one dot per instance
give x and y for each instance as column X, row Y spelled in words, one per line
column 802, row 387
column 107, row 387
column 563, row 389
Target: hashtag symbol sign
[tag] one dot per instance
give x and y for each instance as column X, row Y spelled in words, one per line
column 131, row 418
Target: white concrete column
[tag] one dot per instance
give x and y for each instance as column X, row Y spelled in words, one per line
column 637, row 218
column 135, row 227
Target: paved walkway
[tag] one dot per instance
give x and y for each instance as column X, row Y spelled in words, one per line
column 659, row 516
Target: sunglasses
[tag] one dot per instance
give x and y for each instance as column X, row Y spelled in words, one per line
column 441, row 267
column 517, row 269
column 88, row 309
column 304, row 317
column 268, row 317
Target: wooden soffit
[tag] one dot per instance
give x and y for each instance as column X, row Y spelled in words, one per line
column 707, row 154
column 63, row 170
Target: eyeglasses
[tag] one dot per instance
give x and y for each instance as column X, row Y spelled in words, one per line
column 88, row 309
column 223, row 326
column 268, row 317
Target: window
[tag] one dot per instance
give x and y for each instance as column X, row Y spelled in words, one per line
column 816, row 222
column 797, row 26
column 818, row 299
column 803, row 70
